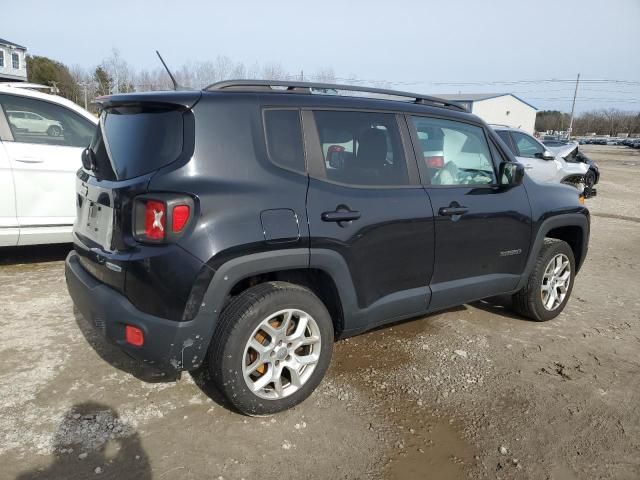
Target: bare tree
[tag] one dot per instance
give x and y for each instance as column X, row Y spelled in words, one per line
column 274, row 71
column 607, row 122
column 253, row 71
column 239, row 71
column 324, row 75
column 119, row 70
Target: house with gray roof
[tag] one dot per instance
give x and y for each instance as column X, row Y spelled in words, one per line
column 13, row 64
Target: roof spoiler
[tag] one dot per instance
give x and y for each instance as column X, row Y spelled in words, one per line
column 183, row 99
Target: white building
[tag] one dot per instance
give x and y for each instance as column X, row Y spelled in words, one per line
column 500, row 108
column 13, row 64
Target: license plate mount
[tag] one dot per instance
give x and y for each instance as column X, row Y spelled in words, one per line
column 95, row 222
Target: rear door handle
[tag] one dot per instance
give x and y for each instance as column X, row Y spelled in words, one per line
column 340, row 216
column 451, row 211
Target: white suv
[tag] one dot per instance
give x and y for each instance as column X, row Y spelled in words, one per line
column 29, row 122
column 539, row 163
column 41, row 141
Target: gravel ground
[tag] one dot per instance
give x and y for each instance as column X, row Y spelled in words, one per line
column 474, row 392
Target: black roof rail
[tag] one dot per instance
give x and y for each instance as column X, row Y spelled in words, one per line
column 307, row 87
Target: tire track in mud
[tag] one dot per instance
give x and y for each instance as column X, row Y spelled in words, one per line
column 616, row 217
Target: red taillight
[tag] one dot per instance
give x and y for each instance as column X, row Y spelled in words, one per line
column 179, row 217
column 134, row 336
column 160, row 218
column 155, row 220
column 436, row 161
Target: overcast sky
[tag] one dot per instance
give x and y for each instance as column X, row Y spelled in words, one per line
column 411, row 44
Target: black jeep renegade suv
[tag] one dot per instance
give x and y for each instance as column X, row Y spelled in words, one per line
column 246, row 226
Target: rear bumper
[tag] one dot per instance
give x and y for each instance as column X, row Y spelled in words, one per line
column 168, row 345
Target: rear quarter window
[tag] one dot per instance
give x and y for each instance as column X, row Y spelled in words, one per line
column 283, row 132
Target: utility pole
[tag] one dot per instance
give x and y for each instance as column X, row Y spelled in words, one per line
column 85, row 86
column 573, row 108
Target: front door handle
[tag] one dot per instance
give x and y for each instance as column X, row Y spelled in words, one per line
column 340, row 216
column 30, row 160
column 451, row 211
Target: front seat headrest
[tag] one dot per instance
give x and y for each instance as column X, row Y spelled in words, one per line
column 372, row 148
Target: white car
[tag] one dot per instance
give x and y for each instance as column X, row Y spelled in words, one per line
column 29, row 122
column 539, row 162
column 41, row 141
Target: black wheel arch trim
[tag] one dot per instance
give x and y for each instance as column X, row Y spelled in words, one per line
column 237, row 269
column 580, row 220
column 213, row 299
column 393, row 307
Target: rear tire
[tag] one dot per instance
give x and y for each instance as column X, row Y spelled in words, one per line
column 549, row 286
column 271, row 348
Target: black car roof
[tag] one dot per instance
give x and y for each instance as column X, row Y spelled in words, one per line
column 346, row 102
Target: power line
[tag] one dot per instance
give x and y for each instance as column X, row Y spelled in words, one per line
column 453, row 83
column 569, row 89
column 591, row 81
column 591, row 99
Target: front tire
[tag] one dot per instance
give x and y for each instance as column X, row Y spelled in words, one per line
column 589, row 179
column 550, row 283
column 272, row 348
column 54, row 131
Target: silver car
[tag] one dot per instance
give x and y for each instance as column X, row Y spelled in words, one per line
column 540, row 163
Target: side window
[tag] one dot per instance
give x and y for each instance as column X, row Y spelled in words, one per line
column 284, row 138
column 361, row 148
column 38, row 121
column 527, row 146
column 504, row 135
column 1, row 58
column 454, row 153
column 15, row 59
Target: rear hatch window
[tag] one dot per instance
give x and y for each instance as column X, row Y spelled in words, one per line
column 135, row 140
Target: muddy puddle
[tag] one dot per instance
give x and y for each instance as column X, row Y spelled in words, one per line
column 420, row 444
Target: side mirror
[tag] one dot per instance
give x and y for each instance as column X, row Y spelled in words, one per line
column 511, row 174
column 88, row 159
column 547, row 155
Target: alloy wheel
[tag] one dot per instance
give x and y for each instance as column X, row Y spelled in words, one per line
column 281, row 354
column 555, row 282
column 55, row 131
